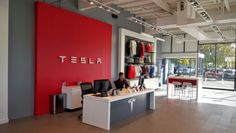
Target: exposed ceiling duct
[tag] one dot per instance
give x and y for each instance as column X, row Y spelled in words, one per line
column 202, row 12
column 196, row 32
column 185, row 12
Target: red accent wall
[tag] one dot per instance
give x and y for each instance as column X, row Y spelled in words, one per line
column 62, row 32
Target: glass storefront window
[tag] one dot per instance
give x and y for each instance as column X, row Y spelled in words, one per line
column 182, row 66
column 218, row 65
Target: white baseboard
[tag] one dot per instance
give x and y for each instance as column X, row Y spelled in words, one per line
column 3, row 121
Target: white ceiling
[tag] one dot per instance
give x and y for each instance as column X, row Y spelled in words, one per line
column 164, row 13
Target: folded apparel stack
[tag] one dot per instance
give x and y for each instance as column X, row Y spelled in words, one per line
column 153, row 71
column 138, row 71
column 131, row 71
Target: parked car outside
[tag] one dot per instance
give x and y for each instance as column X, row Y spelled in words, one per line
column 218, row 73
column 229, row 74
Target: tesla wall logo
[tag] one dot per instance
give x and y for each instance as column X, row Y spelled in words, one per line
column 131, row 102
column 81, row 60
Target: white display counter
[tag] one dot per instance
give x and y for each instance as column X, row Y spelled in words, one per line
column 102, row 112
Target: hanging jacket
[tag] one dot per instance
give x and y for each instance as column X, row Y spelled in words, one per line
column 149, row 47
column 132, row 47
column 142, row 50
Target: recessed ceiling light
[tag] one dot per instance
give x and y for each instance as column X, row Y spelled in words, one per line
column 100, row 6
column 91, row 2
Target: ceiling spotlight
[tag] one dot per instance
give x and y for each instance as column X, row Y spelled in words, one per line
column 195, row 4
column 101, row 5
column 91, row 2
column 136, row 21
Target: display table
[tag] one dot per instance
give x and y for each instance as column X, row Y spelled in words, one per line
column 103, row 112
column 195, row 81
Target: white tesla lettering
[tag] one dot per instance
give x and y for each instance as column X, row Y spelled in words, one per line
column 131, row 102
column 62, row 58
column 73, row 59
column 99, row 61
column 83, row 60
column 90, row 61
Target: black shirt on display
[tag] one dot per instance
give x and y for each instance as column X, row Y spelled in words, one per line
column 138, row 49
column 121, row 84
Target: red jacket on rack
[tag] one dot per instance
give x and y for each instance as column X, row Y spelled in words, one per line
column 142, row 50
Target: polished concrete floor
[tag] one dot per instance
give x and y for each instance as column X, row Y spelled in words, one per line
column 171, row 116
column 219, row 97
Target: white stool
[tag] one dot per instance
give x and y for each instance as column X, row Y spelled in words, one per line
column 189, row 87
column 177, row 87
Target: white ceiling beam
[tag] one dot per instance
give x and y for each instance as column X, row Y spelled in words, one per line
column 152, row 13
column 122, row 1
column 227, row 6
column 162, row 4
column 145, row 11
column 145, row 14
column 134, row 9
column 148, row 6
column 170, row 21
column 195, row 32
column 134, row 4
column 152, row 17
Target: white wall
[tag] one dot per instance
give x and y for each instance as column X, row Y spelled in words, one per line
column 166, row 46
column 4, row 13
column 177, row 47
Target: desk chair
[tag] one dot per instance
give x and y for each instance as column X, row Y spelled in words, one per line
column 86, row 88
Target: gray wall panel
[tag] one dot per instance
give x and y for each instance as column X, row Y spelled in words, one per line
column 21, row 58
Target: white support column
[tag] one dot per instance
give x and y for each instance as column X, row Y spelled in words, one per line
column 4, row 15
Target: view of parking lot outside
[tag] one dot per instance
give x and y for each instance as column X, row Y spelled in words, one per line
column 218, row 65
column 182, row 66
